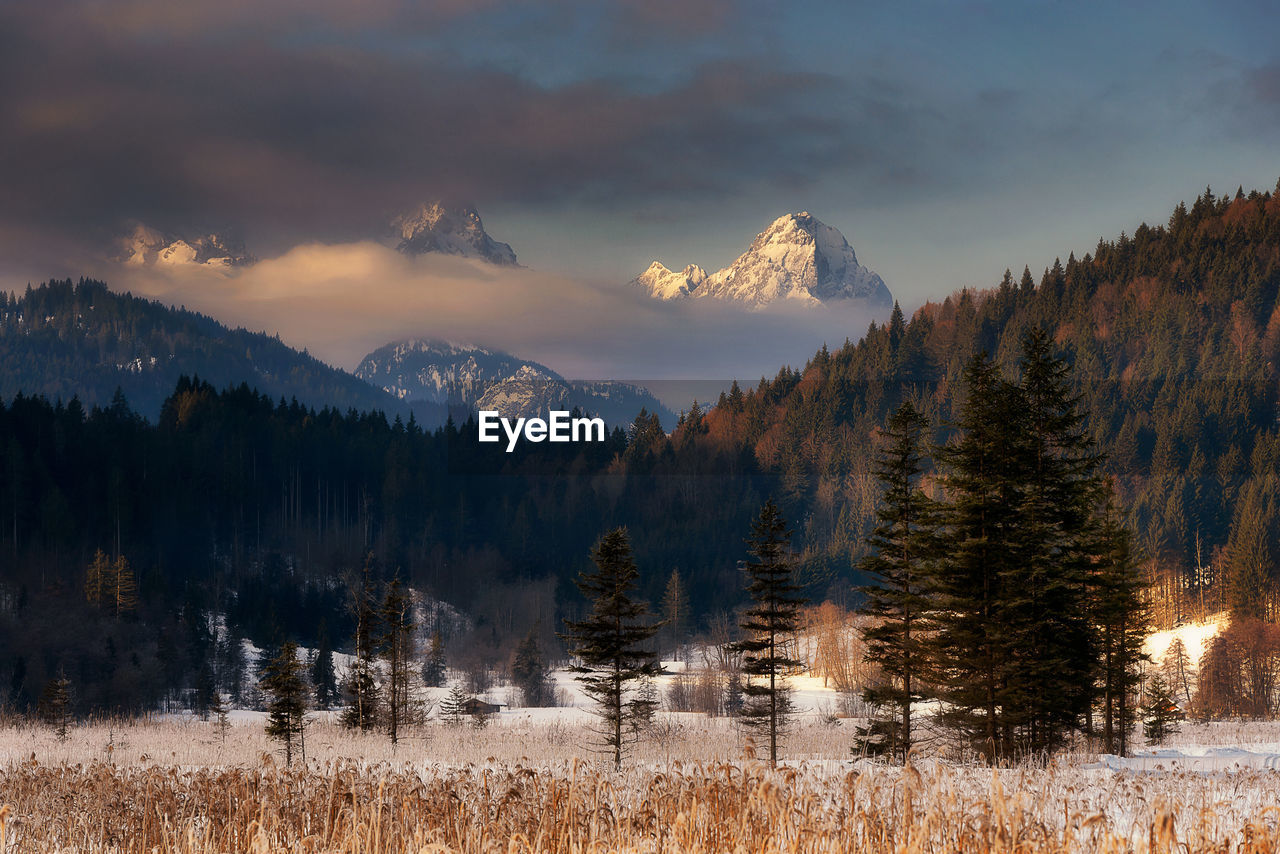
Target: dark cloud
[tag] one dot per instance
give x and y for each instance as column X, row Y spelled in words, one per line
column 182, row 115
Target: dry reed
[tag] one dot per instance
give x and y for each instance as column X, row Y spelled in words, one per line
column 406, row 805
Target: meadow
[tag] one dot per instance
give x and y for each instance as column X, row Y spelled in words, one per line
column 529, row 784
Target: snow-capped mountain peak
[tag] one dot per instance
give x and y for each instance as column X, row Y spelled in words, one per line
column 798, row 257
column 665, row 284
column 436, row 371
column 450, row 230
column 149, row 247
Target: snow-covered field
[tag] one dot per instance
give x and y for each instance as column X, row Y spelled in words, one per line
column 536, row 780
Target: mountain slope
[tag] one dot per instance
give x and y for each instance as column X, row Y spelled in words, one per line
column 1174, row 337
column 63, row 340
column 797, row 257
column 438, row 378
column 427, row 369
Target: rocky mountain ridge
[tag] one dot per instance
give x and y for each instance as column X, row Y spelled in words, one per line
column 797, row 258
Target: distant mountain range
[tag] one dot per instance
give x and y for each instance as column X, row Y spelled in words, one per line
column 428, row 373
column 65, row 340
column 432, row 227
column 144, row 246
column 797, row 257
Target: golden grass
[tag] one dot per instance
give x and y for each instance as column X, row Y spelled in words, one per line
column 419, row 802
column 357, row 809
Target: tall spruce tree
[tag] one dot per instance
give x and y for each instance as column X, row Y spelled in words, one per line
column 970, row 651
column 396, row 647
column 609, row 643
column 1160, row 714
column 451, row 705
column 1057, row 543
column 361, row 683
column 675, row 612
column 285, row 685
column 435, row 666
column 1252, row 553
column 530, row 673
column 1015, row 654
column 323, row 676
column 54, row 707
column 1120, row 614
column 123, row 588
column 773, row 615
column 900, row 544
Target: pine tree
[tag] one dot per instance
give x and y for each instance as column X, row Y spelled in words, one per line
column 361, row 684
column 435, row 668
column 451, row 705
column 1251, row 553
column 897, row 601
column 644, row 705
column 675, row 611
column 54, row 706
column 286, row 690
column 1120, row 614
column 323, row 676
column 609, row 642
column 1176, row 666
column 773, row 614
column 206, row 691
column 396, row 647
column 1160, row 714
column 733, row 698
column 530, row 673
column 969, row 652
column 110, row 584
column 232, row 664
column 123, row 589
column 1057, row 544
column 221, row 715
column 97, row 578
column 1015, row 654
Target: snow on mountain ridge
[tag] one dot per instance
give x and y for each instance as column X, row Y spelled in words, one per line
column 469, row 378
column 436, row 371
column 449, row 230
column 527, row 393
column 149, row 247
column 665, row 284
column 797, row 257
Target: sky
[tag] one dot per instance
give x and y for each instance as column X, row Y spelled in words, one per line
column 946, row 139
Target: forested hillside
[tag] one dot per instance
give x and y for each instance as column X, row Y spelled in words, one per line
column 64, row 340
column 234, row 505
column 1173, row 336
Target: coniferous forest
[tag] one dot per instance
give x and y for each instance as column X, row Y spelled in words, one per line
column 125, row 538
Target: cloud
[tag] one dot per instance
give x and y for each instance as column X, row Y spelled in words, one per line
column 187, row 117
column 342, row 301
